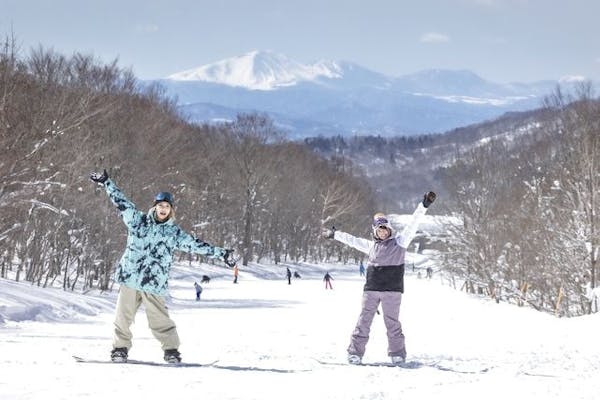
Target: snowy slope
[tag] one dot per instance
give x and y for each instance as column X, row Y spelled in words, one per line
column 267, row 337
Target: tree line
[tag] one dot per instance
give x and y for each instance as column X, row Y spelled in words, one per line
column 524, row 192
column 237, row 184
column 414, row 164
column 527, row 208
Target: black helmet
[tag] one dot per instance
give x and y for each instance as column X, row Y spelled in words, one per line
column 163, row 196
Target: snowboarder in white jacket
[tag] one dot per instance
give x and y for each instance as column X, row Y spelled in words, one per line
column 384, row 281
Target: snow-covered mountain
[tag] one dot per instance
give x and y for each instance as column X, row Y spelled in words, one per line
column 332, row 98
column 259, row 71
column 266, row 70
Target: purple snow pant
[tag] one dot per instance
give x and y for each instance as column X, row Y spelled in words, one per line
column 390, row 304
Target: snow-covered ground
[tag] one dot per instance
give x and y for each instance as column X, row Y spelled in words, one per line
column 269, row 337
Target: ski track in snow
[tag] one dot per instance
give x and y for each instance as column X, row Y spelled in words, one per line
column 273, row 340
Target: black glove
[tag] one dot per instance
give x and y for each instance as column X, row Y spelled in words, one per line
column 328, row 233
column 99, row 178
column 228, row 259
column 428, row 198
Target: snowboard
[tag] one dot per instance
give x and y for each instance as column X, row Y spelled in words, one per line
column 406, row 365
column 413, row 364
column 148, row 363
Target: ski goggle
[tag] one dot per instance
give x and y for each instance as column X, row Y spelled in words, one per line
column 381, row 222
column 164, row 196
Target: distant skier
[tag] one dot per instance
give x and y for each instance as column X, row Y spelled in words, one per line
column 236, row 273
column 289, row 276
column 198, row 290
column 361, row 269
column 385, row 280
column 143, row 271
column 297, row 275
column 429, row 272
column 328, row 278
column 205, row 279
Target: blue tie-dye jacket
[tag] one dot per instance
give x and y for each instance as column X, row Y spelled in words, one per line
column 146, row 263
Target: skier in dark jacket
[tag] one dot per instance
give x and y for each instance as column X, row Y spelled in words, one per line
column 288, row 274
column 143, row 270
column 385, row 280
column 328, row 278
column 198, row 290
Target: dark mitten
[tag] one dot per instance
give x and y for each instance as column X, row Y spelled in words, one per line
column 99, row 178
column 428, row 198
column 228, row 258
column 328, row 233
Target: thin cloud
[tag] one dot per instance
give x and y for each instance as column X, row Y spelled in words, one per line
column 146, row 28
column 497, row 3
column 483, row 2
column 495, row 40
column 572, row 78
column 434, row 37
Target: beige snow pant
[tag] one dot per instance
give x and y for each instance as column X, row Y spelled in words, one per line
column 163, row 328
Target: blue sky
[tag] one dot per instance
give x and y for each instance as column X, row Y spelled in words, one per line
column 501, row 40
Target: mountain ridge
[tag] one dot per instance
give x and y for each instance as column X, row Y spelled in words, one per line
column 337, row 97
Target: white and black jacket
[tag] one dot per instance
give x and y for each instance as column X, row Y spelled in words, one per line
column 385, row 266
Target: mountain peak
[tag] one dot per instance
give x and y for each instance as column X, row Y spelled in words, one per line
column 259, row 70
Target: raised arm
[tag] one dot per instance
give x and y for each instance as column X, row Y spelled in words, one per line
column 408, row 233
column 359, row 244
column 130, row 214
column 188, row 243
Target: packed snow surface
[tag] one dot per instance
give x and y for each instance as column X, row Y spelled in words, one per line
column 271, row 340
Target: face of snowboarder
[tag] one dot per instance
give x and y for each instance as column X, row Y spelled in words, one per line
column 382, row 232
column 162, row 211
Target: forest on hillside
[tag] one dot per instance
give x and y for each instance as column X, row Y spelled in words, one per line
column 526, row 188
column 529, row 206
column 410, row 165
column 237, row 184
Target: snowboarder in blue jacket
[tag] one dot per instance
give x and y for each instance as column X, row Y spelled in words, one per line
column 143, row 271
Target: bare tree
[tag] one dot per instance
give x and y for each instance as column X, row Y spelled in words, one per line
column 579, row 123
column 254, row 167
column 338, row 201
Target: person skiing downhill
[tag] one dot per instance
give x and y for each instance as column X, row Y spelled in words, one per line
column 236, row 273
column 198, row 290
column 384, row 280
column 327, row 279
column 143, row 270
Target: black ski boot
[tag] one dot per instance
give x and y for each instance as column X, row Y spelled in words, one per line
column 119, row 355
column 172, row 356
